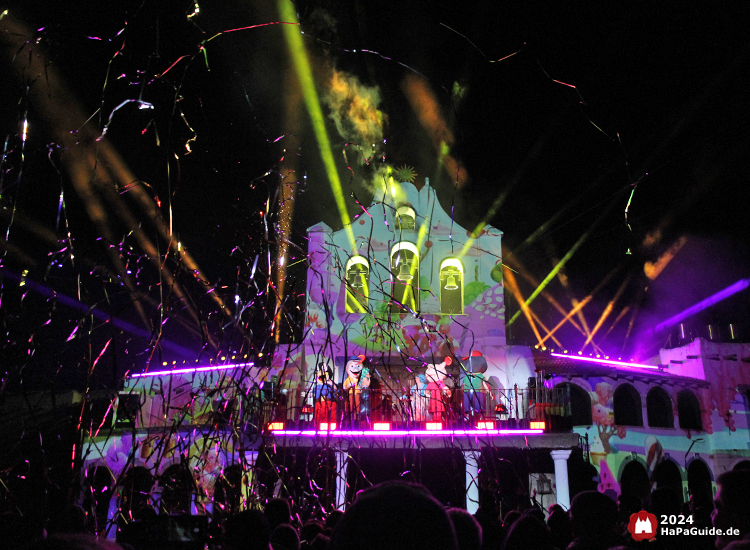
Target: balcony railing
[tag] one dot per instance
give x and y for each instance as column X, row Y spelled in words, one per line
column 544, row 408
column 311, row 407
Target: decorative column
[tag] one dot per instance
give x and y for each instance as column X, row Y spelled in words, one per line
column 248, row 478
column 342, row 464
column 472, row 480
column 561, row 476
column 114, row 509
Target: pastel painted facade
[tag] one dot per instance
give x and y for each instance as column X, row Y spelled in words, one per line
column 405, row 286
column 679, row 426
column 417, row 302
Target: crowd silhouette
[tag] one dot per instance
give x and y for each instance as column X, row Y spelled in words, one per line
column 405, row 516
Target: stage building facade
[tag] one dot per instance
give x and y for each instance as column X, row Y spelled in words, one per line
column 404, row 371
column 679, row 422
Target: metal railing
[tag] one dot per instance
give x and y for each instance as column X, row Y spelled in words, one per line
column 452, row 407
column 407, row 407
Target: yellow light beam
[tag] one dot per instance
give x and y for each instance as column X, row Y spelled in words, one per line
column 307, row 84
column 636, row 310
column 562, row 262
column 426, row 107
column 563, row 278
column 512, row 285
column 654, row 269
column 516, row 264
column 580, row 305
column 544, row 327
column 619, row 318
column 498, row 202
column 607, row 311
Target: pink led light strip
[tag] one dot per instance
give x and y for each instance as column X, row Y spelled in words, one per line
column 194, row 369
column 420, row 433
column 622, row 364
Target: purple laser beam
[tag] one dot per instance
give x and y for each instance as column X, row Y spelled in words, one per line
column 621, row 364
column 739, row 286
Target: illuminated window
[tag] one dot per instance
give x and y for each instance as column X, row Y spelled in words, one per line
column 405, row 277
column 406, row 218
column 357, row 284
column 451, row 287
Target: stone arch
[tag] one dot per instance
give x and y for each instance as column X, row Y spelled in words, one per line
column 100, row 486
column 689, row 410
column 451, row 286
column 659, row 409
column 177, row 487
column 667, row 474
column 137, row 484
column 580, row 404
column 700, row 481
column 634, row 479
column 404, row 263
column 628, row 407
column 405, row 218
column 357, row 284
column 228, row 491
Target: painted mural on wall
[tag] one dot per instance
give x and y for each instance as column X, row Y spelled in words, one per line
column 457, row 278
column 603, row 416
column 205, row 455
column 725, row 365
column 719, row 380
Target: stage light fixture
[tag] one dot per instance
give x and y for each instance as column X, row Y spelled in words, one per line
column 327, row 426
column 274, row 426
column 433, row 426
column 381, row 426
column 485, row 425
column 537, row 425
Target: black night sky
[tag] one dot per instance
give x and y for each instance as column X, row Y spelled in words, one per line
column 543, row 119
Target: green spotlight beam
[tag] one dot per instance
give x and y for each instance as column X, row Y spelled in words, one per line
column 307, row 84
column 561, row 263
